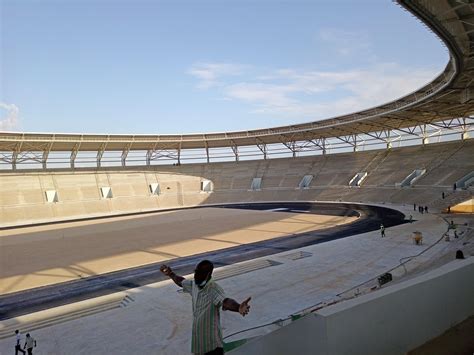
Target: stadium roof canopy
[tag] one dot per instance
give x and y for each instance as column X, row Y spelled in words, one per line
column 450, row 96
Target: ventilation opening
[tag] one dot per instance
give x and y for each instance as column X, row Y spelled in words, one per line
column 206, row 186
column 256, row 184
column 410, row 179
column 154, row 188
column 305, row 182
column 358, row 178
column 51, row 196
column 466, row 182
column 106, row 192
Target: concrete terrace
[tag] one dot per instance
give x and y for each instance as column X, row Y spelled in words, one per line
column 156, row 318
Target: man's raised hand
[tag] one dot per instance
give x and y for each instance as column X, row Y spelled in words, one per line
column 166, row 270
column 244, row 307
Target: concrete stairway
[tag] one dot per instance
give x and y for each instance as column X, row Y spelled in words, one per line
column 43, row 319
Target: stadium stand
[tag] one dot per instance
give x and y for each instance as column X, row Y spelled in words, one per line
column 47, row 194
column 23, row 195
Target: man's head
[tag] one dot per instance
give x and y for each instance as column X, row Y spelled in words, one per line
column 203, row 272
column 17, row 331
column 28, row 335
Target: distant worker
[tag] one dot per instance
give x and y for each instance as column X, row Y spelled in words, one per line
column 414, row 207
column 18, row 343
column 426, row 209
column 442, row 195
column 207, row 299
column 454, row 187
column 29, row 344
column 449, row 209
column 451, row 225
column 410, row 219
column 382, row 230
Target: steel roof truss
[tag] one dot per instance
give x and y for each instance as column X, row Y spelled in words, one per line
column 350, row 139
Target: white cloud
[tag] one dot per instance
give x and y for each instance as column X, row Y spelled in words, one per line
column 261, row 93
column 209, row 74
column 10, row 121
column 310, row 95
column 346, row 43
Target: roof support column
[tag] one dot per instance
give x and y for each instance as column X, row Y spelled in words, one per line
column 125, row 152
column 465, row 129
column 149, row 153
column 14, row 159
column 355, row 148
column 389, row 139
column 207, row 151
column 44, row 158
column 74, row 151
column 425, row 138
column 100, row 154
column 235, row 149
column 15, row 153
column 262, row 146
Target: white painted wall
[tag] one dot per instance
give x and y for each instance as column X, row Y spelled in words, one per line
column 393, row 320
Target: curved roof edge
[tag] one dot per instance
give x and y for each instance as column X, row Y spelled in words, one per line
column 449, row 95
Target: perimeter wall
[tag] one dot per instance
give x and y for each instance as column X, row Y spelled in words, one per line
column 393, row 320
column 23, row 193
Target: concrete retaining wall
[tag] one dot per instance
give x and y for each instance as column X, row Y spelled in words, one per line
column 393, row 320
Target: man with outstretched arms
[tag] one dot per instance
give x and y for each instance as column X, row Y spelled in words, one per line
column 207, row 298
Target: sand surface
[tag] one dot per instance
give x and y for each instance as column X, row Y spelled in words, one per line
column 44, row 255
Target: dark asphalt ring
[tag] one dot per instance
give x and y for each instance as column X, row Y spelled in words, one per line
column 370, row 218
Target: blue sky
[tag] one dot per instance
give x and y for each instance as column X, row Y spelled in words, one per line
column 159, row 67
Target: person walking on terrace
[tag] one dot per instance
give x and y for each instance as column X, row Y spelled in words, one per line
column 207, row 300
column 29, row 344
column 18, row 343
column 382, row 230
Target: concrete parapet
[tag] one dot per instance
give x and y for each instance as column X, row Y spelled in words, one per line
column 393, row 320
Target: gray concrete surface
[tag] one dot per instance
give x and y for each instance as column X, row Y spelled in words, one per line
column 156, row 319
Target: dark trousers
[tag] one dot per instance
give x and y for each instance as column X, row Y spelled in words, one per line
column 19, row 349
column 216, row 351
column 30, row 351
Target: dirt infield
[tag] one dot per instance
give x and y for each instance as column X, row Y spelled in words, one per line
column 45, row 255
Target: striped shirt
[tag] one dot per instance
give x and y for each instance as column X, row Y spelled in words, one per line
column 207, row 333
